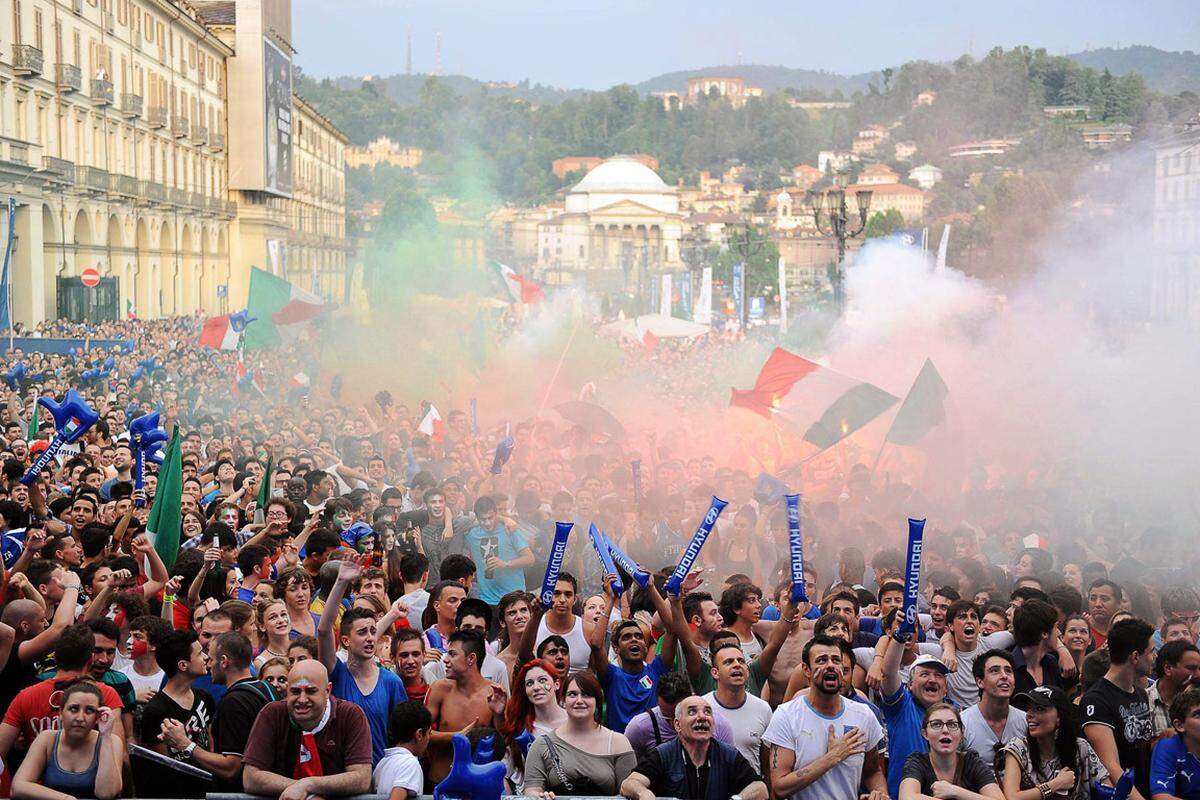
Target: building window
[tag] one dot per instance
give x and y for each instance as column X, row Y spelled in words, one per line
column 17, row 22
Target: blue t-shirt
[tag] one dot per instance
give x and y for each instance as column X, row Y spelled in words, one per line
column 503, row 545
column 1173, row 770
column 903, row 715
column 627, row 694
column 388, row 691
column 12, row 544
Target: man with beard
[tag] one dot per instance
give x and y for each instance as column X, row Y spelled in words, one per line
column 694, row 766
column 309, row 744
column 993, row 723
column 824, row 747
column 359, row 679
column 904, row 706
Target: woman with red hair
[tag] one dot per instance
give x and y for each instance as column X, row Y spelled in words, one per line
column 535, row 704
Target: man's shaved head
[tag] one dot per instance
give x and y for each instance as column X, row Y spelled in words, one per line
column 308, row 693
column 22, row 612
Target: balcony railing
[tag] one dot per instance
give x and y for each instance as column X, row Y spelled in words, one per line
column 70, row 78
column 152, row 192
column 199, row 135
column 156, row 117
column 92, row 178
column 125, row 185
column 27, row 60
column 177, row 197
column 58, row 166
column 102, row 92
column 198, row 201
column 131, row 105
column 217, row 142
column 179, row 127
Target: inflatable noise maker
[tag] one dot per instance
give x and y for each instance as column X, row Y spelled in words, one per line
column 692, row 551
column 145, row 369
column 469, row 780
column 558, row 551
column 600, row 542
column 146, row 439
column 796, row 548
column 72, row 419
column 503, row 454
column 912, row 576
column 15, row 376
column 626, row 563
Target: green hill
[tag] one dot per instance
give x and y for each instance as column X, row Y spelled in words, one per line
column 769, row 77
column 1164, row 71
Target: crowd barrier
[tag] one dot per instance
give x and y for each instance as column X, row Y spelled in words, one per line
column 37, row 344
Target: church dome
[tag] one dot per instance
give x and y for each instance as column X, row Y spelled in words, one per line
column 621, row 174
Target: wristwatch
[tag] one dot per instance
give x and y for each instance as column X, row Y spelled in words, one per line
column 187, row 751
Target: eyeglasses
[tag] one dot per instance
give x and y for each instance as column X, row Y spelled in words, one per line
column 944, row 724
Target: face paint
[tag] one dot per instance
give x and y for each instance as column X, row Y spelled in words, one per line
column 139, row 648
column 303, row 683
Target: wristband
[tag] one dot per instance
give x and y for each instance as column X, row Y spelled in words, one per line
column 168, row 598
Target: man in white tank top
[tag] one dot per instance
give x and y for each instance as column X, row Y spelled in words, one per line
column 560, row 619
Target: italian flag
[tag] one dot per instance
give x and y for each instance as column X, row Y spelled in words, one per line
column 130, row 311
column 281, row 309
column 521, row 289
column 824, row 406
column 432, row 425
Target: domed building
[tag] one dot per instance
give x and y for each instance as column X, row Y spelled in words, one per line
column 619, row 224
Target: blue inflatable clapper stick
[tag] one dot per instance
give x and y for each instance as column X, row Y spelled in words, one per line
column 146, row 440
column 636, row 467
column 692, row 551
column 600, row 542
column 468, row 780
column 474, row 417
column 485, row 750
column 558, row 551
column 626, row 563
column 796, row 548
column 503, row 453
column 72, row 419
column 912, row 576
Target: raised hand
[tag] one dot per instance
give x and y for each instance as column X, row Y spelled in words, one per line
column 692, row 582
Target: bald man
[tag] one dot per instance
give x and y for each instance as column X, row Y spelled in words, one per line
column 676, row 768
column 25, row 636
column 310, row 743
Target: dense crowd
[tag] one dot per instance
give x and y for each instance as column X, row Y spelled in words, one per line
column 329, row 633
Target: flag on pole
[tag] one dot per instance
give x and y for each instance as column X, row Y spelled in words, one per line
column 281, row 309
column 521, row 289
column 264, row 488
column 34, row 421
column 922, row 410
column 432, row 425
column 824, row 405
column 225, row 331
column 165, row 519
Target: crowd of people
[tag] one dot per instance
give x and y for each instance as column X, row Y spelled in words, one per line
column 356, row 585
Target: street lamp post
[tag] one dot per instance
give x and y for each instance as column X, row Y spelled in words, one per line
column 748, row 246
column 839, row 224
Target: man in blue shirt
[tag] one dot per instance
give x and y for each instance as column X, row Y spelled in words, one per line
column 359, row 679
column 1174, row 766
column 499, row 551
column 904, row 707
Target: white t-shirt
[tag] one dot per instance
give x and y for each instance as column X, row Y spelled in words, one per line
column 960, row 684
column 141, row 682
column 802, row 730
column 398, row 769
column 417, row 601
column 979, row 736
column 748, row 722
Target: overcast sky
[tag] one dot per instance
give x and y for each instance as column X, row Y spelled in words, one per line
column 597, row 44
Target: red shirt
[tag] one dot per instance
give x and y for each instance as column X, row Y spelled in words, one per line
column 35, row 708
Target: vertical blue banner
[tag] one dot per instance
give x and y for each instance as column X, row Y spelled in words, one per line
column 912, row 575
column 796, row 548
column 685, row 294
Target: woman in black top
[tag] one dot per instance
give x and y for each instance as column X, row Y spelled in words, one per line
column 944, row 772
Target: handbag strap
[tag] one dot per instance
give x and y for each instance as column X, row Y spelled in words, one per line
column 562, row 776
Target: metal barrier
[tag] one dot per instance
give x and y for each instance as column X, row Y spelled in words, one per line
column 35, row 344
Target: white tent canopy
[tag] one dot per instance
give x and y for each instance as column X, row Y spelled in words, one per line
column 661, row 326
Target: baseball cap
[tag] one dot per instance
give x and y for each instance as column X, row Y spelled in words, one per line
column 1044, row 697
column 930, row 661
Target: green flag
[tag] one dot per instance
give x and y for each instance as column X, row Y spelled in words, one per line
column 34, row 421
column 166, row 518
column 264, row 488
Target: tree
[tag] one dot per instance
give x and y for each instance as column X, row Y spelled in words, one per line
column 884, row 223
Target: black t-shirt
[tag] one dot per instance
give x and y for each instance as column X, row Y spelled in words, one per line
column 197, row 722
column 973, row 774
column 15, row 676
column 1129, row 716
column 235, row 717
